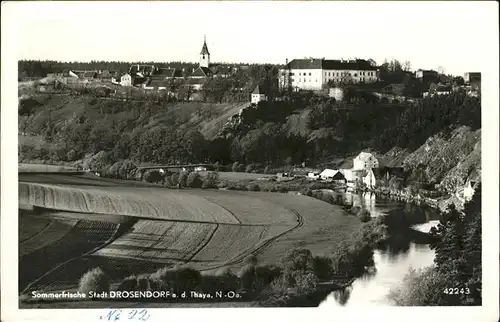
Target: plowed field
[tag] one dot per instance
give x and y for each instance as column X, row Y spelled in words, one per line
column 205, row 229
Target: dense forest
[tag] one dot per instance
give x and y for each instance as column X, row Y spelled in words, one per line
column 164, row 132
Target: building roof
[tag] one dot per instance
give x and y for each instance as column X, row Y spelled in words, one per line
column 338, row 176
column 201, row 72
column 158, row 83
column 364, row 156
column 222, row 70
column 168, row 72
column 89, row 74
column 258, row 90
column 140, row 81
column 428, row 71
column 138, row 68
column 315, row 63
column 204, row 49
column 328, row 172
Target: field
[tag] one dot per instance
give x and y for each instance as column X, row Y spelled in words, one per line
column 127, row 228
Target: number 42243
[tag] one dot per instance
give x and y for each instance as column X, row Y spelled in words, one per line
column 456, row 290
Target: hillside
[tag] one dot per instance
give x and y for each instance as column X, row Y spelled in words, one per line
column 451, row 159
column 205, row 117
column 440, row 134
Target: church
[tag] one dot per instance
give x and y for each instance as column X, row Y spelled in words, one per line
column 203, row 69
column 155, row 77
column 207, row 69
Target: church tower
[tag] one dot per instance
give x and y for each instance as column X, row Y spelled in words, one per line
column 204, row 55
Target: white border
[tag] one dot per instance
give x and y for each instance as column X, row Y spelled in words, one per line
column 490, row 141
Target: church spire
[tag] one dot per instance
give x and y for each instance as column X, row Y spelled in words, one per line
column 204, row 49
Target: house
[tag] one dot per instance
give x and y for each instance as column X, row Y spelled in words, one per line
column 427, row 76
column 348, row 174
column 105, row 75
column 168, row 73
column 328, row 174
column 313, row 175
column 314, row 73
column 365, row 161
column 200, row 168
column 142, row 70
column 126, row 80
column 223, row 71
column 116, row 78
column 471, row 77
column 158, row 84
column 469, row 190
column 72, row 74
column 258, row 95
column 201, row 72
column 339, row 178
column 369, row 179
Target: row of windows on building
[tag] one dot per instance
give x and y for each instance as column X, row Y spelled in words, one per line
column 305, row 80
column 338, row 74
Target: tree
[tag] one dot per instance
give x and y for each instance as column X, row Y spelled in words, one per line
column 458, row 250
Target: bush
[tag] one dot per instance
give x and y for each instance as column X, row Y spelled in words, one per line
column 71, row 155
column 174, row 178
column 183, row 178
column 234, row 167
column 94, row 280
column 253, row 187
column 364, row 215
column 128, row 284
column 267, row 170
column 355, row 210
column 322, row 267
column 241, row 168
column 194, row 180
column 306, row 192
column 327, row 197
column 210, row 180
column 143, row 283
column 306, row 283
column 247, row 276
column 266, row 274
column 283, row 189
column 153, row 176
column 178, row 279
column 296, row 262
column 249, row 168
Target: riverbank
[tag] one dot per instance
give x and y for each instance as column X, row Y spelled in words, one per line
column 404, row 196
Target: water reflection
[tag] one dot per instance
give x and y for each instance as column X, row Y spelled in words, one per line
column 407, row 248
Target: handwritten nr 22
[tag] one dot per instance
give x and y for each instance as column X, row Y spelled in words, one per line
column 134, row 314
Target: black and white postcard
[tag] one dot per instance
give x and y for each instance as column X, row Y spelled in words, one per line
column 175, row 157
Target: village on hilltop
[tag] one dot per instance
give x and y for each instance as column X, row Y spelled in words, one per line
column 317, row 75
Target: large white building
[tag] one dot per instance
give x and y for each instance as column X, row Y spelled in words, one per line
column 365, row 161
column 313, row 73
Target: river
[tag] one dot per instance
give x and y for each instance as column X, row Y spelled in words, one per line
column 392, row 263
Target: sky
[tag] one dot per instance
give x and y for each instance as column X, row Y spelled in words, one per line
column 443, row 35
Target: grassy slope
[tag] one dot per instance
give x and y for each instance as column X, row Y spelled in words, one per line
column 206, row 117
